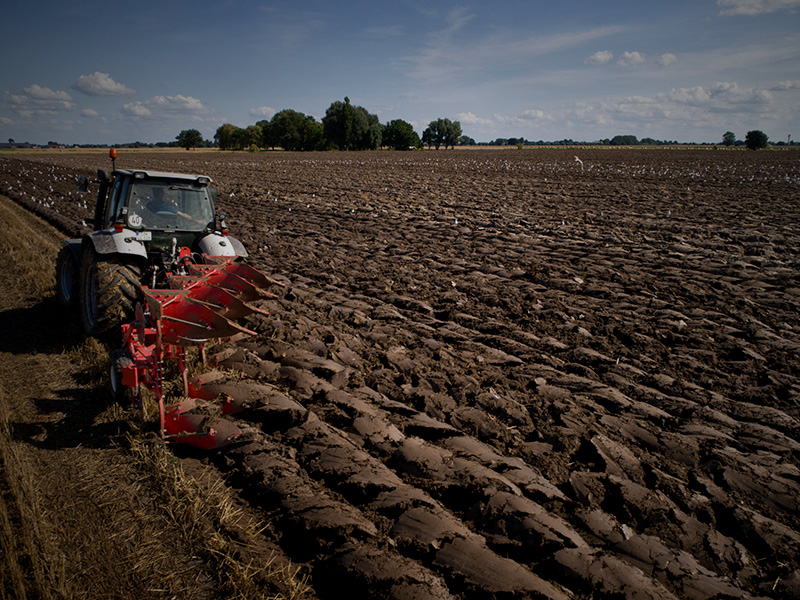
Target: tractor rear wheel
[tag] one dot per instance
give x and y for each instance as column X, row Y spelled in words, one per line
column 109, row 290
column 67, row 275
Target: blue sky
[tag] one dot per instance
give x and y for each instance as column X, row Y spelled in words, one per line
column 106, row 72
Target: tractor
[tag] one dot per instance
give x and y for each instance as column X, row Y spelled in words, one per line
column 161, row 271
column 147, row 225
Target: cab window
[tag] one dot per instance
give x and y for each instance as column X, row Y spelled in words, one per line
column 169, row 205
column 119, row 195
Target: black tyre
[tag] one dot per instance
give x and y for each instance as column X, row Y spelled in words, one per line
column 109, row 289
column 67, row 276
column 119, row 393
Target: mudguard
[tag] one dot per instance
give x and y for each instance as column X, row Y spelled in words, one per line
column 216, row 244
column 111, row 242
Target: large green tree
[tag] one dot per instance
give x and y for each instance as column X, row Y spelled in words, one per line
column 313, row 134
column 729, row 138
column 442, row 132
column 253, row 136
column 266, row 134
column 228, row 137
column 189, row 138
column 292, row 130
column 400, row 135
column 755, row 140
column 287, row 126
column 349, row 127
column 452, row 133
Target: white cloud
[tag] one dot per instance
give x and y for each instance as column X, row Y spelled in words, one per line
column 88, row 112
column 696, row 95
column 721, row 96
column 166, row 107
column 599, row 58
column 532, row 117
column 262, row 112
column 731, row 93
column 178, row 104
column 532, row 114
column 630, row 58
column 100, row 84
column 38, row 92
column 682, row 111
column 667, row 59
column 135, row 109
column 471, row 119
column 37, row 100
column 786, row 85
column 756, row 7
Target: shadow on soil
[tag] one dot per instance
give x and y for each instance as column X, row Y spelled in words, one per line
column 71, row 420
column 75, row 418
column 73, row 415
column 44, row 328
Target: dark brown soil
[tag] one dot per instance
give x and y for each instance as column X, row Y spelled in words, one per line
column 507, row 374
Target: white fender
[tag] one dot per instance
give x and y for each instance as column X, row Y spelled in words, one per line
column 221, row 245
column 125, row 242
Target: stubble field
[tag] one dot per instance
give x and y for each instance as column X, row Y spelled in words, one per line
column 509, row 374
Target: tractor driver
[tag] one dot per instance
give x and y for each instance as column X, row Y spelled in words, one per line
column 159, row 205
column 164, row 207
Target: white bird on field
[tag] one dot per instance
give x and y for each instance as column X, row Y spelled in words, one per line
column 578, row 160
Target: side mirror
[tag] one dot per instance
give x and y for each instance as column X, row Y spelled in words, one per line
column 83, row 183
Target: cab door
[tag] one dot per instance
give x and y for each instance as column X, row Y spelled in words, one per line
column 118, row 199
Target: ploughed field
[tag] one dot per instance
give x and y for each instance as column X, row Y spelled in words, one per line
column 510, row 374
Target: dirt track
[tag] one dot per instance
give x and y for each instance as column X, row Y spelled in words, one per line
column 509, row 374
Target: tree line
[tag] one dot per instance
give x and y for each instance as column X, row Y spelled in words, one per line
column 617, row 140
column 349, row 127
column 754, row 140
column 344, row 127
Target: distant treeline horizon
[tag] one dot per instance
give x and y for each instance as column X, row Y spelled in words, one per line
column 349, row 127
column 463, row 141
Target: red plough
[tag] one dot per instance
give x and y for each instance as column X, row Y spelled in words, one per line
column 200, row 306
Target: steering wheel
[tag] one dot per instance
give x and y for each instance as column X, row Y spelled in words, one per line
column 166, row 210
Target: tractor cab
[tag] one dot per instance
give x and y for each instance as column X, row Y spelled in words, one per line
column 162, row 209
column 148, row 226
column 150, row 200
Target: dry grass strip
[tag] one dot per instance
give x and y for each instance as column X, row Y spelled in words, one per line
column 30, row 561
column 205, row 513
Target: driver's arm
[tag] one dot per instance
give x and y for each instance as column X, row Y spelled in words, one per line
column 189, row 217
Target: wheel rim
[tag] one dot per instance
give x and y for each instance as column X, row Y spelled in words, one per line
column 66, row 278
column 90, row 298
